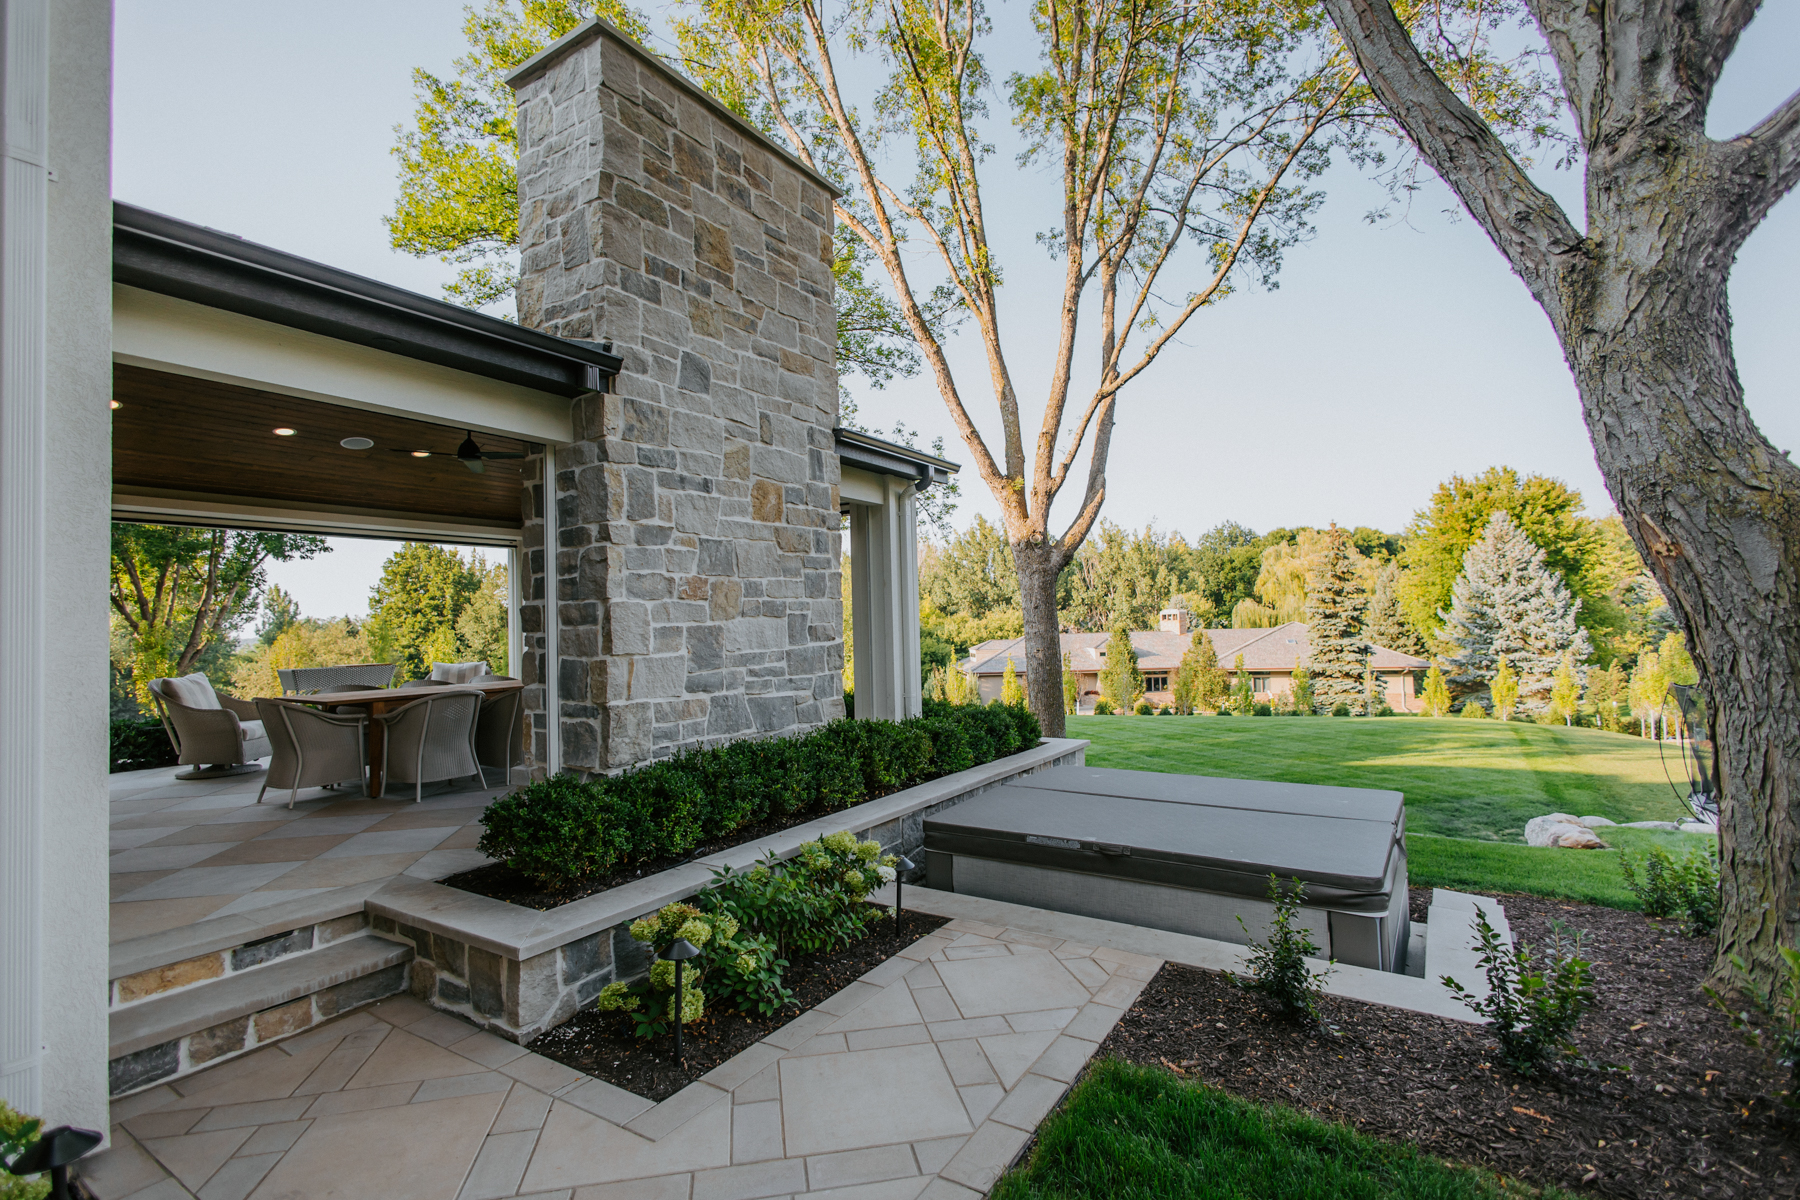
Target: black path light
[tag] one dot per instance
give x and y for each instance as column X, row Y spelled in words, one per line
column 678, row 953
column 900, row 869
column 53, row 1152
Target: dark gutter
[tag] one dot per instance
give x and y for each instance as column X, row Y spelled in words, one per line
column 889, row 458
column 190, row 262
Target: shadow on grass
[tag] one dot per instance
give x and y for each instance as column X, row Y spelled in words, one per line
column 1590, row 876
column 1468, row 779
column 1135, row 1133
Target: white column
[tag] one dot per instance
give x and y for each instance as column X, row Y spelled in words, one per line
column 884, row 601
column 24, row 117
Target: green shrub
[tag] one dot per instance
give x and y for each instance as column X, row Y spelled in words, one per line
column 1688, row 889
column 1166, row 711
column 561, row 830
column 17, row 1133
column 1278, row 969
column 1103, row 708
column 1534, row 1006
column 1781, row 1012
column 1473, row 711
column 1262, row 710
column 137, row 744
column 1144, row 708
column 1340, row 709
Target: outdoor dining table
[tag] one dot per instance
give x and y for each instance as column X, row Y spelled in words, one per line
column 382, row 700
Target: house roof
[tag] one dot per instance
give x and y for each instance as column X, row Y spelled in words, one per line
column 1277, row 649
column 191, row 262
column 858, row 449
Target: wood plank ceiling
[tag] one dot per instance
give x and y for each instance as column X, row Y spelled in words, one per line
column 176, row 433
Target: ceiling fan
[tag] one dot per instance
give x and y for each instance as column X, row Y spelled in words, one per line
column 469, row 454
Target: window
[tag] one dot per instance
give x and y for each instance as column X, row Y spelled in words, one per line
column 1259, row 684
column 1156, row 683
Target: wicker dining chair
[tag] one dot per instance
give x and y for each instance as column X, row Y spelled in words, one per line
column 432, row 738
column 311, row 748
column 499, row 732
column 309, row 680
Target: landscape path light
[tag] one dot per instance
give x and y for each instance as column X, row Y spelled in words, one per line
column 678, row 953
column 53, row 1152
column 900, row 869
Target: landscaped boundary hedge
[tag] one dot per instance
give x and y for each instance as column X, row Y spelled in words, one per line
column 558, row 831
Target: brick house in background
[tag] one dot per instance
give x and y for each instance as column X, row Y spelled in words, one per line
column 1270, row 656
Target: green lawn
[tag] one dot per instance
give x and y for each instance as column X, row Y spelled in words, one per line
column 1470, row 786
column 1135, row 1133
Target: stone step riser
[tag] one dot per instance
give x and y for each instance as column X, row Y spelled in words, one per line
column 353, row 973
column 200, row 970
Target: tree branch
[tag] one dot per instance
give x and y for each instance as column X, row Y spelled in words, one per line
column 1766, row 166
column 1524, row 222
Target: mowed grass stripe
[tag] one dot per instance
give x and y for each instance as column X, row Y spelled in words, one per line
column 1136, row 1133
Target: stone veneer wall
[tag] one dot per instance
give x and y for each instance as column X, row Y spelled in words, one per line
column 696, row 550
column 520, row 999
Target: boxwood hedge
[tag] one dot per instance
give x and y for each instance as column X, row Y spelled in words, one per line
column 562, row 830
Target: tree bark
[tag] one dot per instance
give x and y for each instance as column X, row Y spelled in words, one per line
column 1639, row 305
column 1038, row 569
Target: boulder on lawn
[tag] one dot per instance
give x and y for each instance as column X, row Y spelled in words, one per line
column 1594, row 822
column 1562, row 830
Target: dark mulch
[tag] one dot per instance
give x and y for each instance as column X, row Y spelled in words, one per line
column 501, row 882
column 602, row 1044
column 1682, row 1112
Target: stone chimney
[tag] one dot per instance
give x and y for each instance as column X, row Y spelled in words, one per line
column 692, row 538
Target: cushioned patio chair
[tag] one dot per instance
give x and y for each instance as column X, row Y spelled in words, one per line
column 432, row 739
column 305, row 680
column 216, row 735
column 311, row 748
column 499, row 733
column 461, row 672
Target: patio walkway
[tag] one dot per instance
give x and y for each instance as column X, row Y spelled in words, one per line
column 921, row 1081
column 185, row 852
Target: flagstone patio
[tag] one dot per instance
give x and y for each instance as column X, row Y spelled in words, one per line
column 922, row 1081
column 185, row 852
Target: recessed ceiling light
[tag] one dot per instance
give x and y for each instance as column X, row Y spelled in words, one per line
column 284, row 431
column 356, row 443
column 421, row 454
column 114, row 403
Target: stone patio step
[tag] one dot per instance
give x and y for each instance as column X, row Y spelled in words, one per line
column 158, row 1039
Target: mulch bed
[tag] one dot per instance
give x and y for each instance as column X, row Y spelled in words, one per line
column 1669, row 1101
column 602, row 1044
column 500, row 882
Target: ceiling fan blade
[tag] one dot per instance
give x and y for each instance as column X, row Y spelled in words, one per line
column 475, row 465
column 504, row 454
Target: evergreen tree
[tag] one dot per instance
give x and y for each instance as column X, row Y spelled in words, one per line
column 1565, row 693
column 280, row 612
column 1010, row 691
column 1335, row 603
column 1243, row 699
column 1302, row 694
column 423, row 591
column 1437, row 695
column 1120, row 680
column 1387, row 621
column 1504, row 690
column 1071, row 688
column 481, row 629
column 1507, row 602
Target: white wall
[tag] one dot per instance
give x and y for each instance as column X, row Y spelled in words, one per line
column 78, row 483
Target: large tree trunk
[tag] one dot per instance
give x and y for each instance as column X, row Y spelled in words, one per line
column 1713, row 507
column 1043, row 641
column 1638, row 302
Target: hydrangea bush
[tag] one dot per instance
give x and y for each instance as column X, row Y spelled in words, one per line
column 745, row 924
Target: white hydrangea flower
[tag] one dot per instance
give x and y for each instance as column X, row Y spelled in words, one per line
column 887, row 874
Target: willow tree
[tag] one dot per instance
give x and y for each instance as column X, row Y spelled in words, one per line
column 1637, row 297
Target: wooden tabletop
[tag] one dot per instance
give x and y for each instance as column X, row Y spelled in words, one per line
column 401, row 695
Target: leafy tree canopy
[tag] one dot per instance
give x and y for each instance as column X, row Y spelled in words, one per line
column 425, row 591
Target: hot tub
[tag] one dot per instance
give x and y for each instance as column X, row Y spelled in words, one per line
column 1186, row 853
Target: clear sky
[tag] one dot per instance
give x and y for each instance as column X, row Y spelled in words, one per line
column 1390, row 357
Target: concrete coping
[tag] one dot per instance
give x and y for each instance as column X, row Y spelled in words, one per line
column 515, row 932
column 219, row 933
